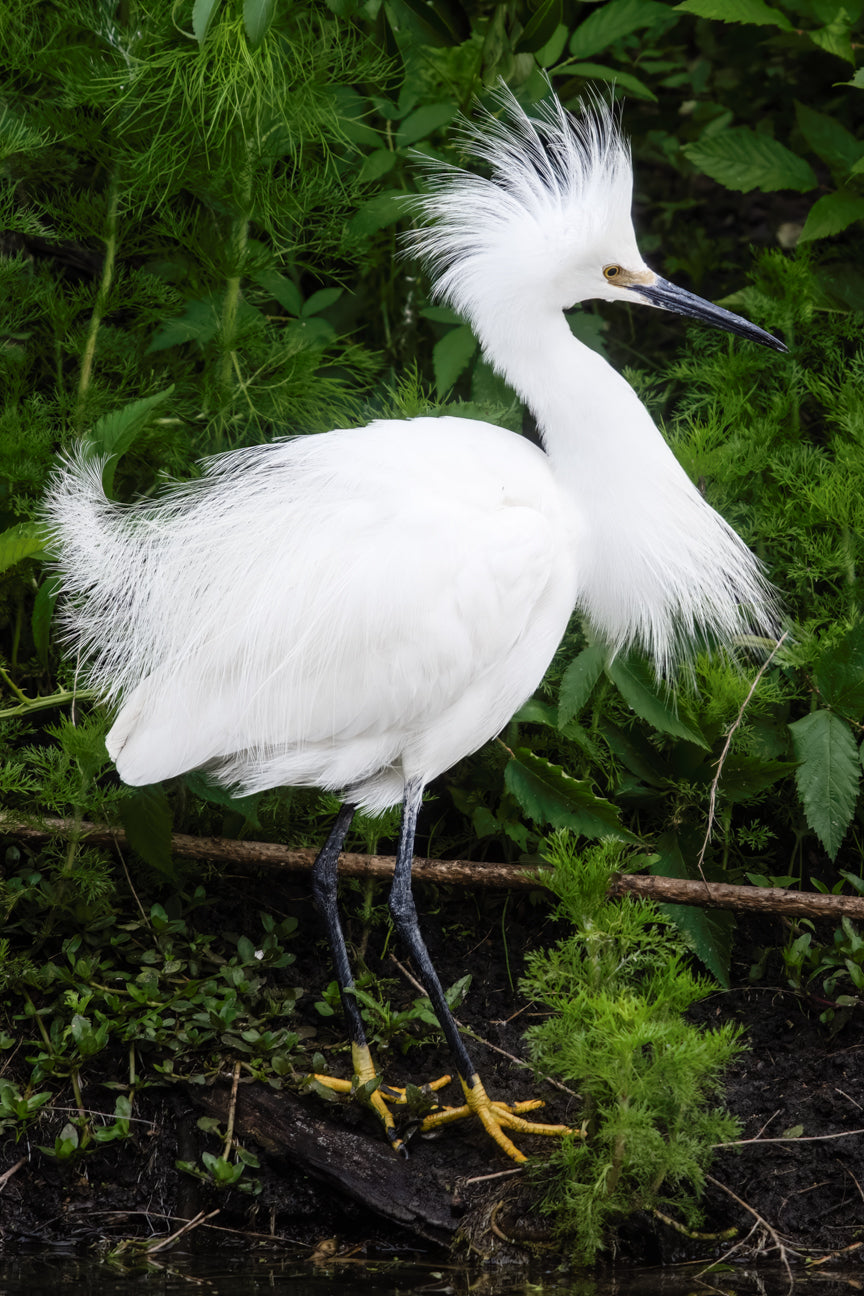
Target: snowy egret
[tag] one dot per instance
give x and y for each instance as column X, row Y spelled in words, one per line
column 360, row 609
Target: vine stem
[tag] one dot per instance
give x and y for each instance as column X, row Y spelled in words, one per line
column 101, row 302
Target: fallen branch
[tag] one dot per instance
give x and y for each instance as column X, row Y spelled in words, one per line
column 466, row 873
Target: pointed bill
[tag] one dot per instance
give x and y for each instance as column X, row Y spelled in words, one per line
column 667, row 296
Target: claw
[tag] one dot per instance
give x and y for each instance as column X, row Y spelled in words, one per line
column 366, row 1085
column 496, row 1117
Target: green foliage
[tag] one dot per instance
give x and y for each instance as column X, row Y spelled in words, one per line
column 617, row 988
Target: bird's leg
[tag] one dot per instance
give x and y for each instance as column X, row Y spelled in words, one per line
column 494, row 1116
column 325, row 872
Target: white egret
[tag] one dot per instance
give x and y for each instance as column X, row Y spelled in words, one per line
column 360, row 609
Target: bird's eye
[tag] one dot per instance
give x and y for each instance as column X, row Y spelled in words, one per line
column 611, row 271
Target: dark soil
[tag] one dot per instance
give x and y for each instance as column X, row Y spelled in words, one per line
column 329, row 1182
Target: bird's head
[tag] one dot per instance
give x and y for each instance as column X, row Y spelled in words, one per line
column 550, row 225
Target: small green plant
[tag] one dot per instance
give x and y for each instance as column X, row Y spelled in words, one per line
column 388, row 1026
column 617, row 988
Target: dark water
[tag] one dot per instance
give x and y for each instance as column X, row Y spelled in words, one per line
column 31, row 1274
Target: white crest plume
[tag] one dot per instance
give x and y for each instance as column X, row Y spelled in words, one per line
column 556, row 181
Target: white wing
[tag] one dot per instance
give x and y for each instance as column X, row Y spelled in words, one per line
column 315, row 610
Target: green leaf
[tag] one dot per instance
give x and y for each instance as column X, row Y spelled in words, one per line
column 282, row 290
column 600, row 72
column 147, row 819
column 451, row 356
column 743, row 777
column 839, row 674
column 548, row 795
column 378, row 213
column 831, row 214
column 203, row 12
column 441, row 24
column 577, row 682
column 828, row 138
column 737, row 11
column 320, row 300
column 257, row 17
column 26, row 540
column 198, row 323
column 608, row 22
column 636, row 685
column 835, row 36
column 43, row 611
column 541, row 27
column 422, row 123
column 827, row 776
column 708, row 932
column 377, row 164
column 246, row 806
column 742, row 159
column 115, row 432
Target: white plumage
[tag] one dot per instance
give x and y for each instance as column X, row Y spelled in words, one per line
column 362, row 608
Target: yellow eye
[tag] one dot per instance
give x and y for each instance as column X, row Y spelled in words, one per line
column 611, row 271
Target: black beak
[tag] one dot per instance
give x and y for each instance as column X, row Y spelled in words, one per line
column 665, row 295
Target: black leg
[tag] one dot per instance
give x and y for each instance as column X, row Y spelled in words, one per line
column 404, row 914
column 325, row 890
column 325, row 874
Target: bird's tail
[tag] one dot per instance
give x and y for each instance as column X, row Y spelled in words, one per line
column 95, row 557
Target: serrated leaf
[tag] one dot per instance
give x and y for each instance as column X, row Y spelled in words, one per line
column 548, row 795
column 609, row 22
column 839, row 674
column 26, row 540
column 203, row 12
column 541, row 27
column 636, row 685
column 707, row 931
column 831, row 214
column 147, row 819
column 737, row 11
column 423, row 122
column 113, row 434
column 577, row 682
column 742, row 159
column 257, row 17
column 451, row 356
column 828, row 775
column 828, row 138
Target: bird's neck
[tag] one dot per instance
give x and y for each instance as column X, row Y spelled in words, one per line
column 594, row 428
column 654, row 562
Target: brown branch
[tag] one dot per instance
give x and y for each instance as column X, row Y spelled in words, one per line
column 467, row 873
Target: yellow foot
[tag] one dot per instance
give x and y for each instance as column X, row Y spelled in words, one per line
column 366, row 1085
column 496, row 1117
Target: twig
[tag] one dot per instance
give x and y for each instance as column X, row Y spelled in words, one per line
column 232, row 1111
column 803, row 1138
column 466, row 873
column 200, row 1218
column 7, row 1174
column 715, row 782
column 772, row 1233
